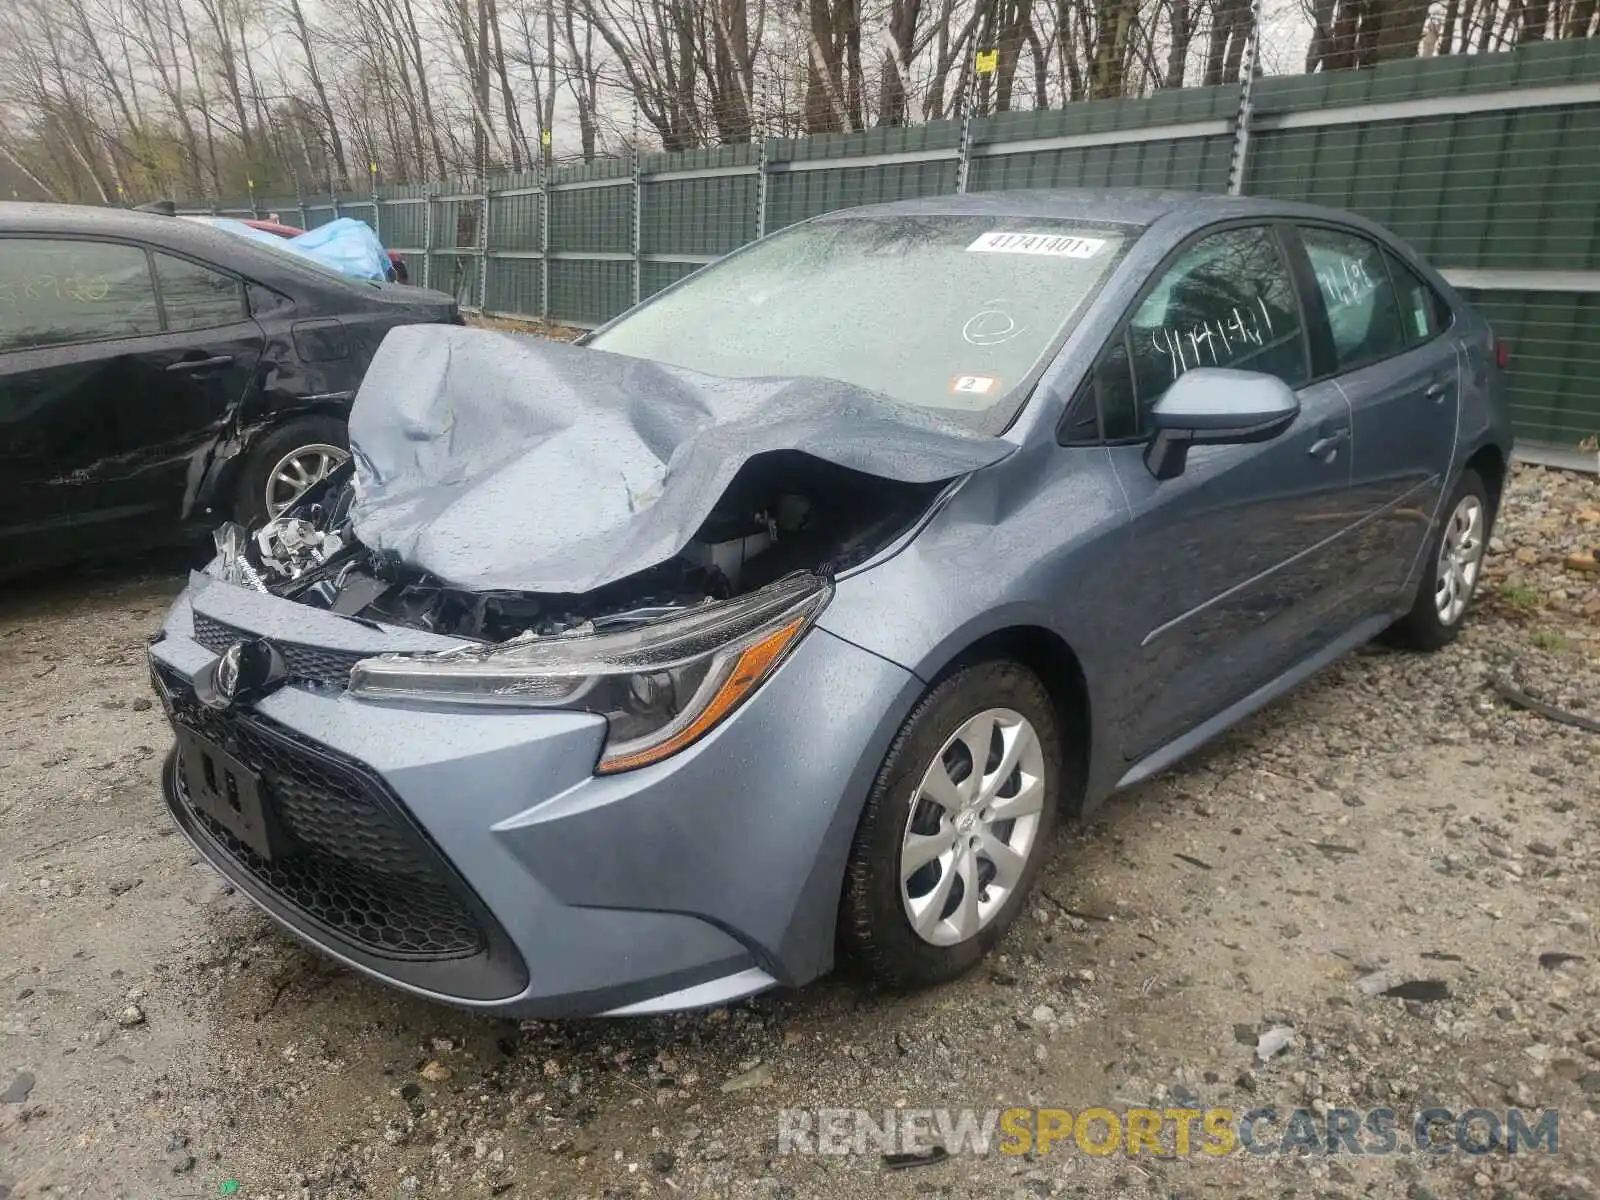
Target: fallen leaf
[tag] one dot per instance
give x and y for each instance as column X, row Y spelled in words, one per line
column 1419, row 989
column 753, row 1078
column 1551, row 959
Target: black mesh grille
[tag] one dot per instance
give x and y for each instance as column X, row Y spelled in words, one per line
column 353, row 865
column 307, row 663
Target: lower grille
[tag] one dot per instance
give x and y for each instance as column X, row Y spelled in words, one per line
column 358, row 875
column 310, row 664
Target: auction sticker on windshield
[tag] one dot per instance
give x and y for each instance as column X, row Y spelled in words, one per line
column 974, row 385
column 1054, row 244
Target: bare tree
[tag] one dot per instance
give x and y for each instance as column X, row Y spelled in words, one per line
column 653, row 42
column 319, row 89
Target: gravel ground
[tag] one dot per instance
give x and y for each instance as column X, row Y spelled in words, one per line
column 1393, row 822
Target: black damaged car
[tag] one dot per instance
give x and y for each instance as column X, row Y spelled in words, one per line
column 158, row 375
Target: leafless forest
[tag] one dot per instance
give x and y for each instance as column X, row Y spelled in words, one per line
column 113, row 100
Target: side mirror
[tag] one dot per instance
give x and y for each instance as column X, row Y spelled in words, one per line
column 1211, row 406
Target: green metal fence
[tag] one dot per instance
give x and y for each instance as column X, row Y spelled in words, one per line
column 1488, row 164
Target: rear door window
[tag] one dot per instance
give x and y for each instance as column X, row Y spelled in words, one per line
column 197, row 297
column 59, row 291
column 1364, row 315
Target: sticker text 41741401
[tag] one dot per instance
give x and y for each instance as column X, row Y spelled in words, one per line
column 1055, row 245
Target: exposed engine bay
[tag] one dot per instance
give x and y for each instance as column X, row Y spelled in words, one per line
column 784, row 511
column 504, row 487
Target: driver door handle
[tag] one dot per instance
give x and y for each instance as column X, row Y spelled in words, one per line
column 1327, row 446
column 213, row 363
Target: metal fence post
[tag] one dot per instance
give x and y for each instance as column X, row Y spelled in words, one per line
column 761, row 191
column 638, row 230
column 964, row 160
column 483, row 255
column 1241, row 123
column 427, row 237
column 544, row 243
column 377, row 209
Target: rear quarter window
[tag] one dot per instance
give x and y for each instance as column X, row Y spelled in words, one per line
column 1423, row 311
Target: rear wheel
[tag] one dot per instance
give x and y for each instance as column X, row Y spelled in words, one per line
column 1453, row 564
column 285, row 463
column 956, row 827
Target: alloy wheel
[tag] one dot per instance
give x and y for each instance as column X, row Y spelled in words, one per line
column 298, row 470
column 974, row 822
column 1460, row 557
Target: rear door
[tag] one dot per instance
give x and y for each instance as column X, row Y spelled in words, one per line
column 1383, row 327
column 130, row 360
column 1235, row 566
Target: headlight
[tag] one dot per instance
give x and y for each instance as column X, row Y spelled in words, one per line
column 660, row 686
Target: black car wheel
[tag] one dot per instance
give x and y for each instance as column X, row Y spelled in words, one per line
column 956, row 827
column 1452, row 566
column 286, row 462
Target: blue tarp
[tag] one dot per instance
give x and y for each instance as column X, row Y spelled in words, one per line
column 346, row 245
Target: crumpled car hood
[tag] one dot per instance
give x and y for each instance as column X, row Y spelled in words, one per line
column 501, row 461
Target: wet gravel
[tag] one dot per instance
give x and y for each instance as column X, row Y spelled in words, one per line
column 1390, row 880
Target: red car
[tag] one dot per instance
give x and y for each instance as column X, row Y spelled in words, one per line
column 397, row 264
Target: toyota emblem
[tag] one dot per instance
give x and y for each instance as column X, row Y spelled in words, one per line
column 246, row 670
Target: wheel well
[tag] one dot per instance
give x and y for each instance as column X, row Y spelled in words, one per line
column 1490, row 464
column 1048, row 656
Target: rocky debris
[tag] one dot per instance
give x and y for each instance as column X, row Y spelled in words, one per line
column 131, row 1017
column 1272, row 1041
column 1544, row 546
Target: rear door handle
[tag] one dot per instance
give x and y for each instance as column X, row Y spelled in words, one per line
column 213, row 363
column 1437, row 389
column 1327, row 446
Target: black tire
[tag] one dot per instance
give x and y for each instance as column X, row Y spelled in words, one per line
column 250, row 495
column 1423, row 628
column 875, row 932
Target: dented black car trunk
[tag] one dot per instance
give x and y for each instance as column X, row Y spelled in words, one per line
column 503, row 485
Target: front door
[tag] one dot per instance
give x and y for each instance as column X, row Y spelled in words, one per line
column 1403, row 383
column 1236, row 563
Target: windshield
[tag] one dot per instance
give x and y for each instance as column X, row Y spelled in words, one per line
column 956, row 314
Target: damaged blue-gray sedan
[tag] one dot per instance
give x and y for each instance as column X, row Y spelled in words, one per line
column 779, row 625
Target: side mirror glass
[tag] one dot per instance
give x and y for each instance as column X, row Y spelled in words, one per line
column 1216, row 406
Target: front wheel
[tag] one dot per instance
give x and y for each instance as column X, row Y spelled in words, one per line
column 1453, row 563
column 285, row 462
column 956, row 827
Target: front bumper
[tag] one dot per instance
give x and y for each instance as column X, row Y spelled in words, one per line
column 473, row 857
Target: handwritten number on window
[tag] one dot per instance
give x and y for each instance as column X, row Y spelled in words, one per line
column 1215, row 343
column 77, row 288
column 1345, row 283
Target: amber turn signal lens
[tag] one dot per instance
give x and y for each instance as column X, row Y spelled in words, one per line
column 752, row 665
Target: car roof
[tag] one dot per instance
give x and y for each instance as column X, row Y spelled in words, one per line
column 202, row 239
column 1130, row 206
